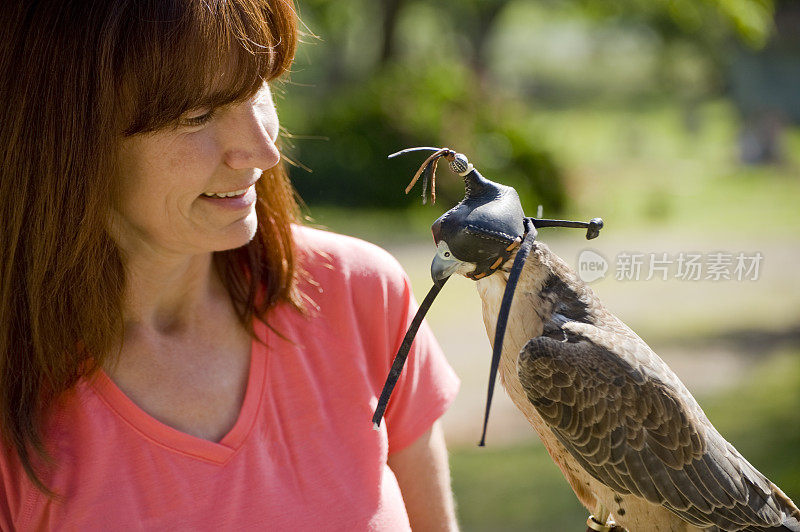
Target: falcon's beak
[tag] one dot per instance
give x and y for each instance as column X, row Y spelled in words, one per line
column 444, row 263
column 442, row 268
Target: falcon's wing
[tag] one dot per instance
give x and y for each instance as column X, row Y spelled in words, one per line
column 636, row 428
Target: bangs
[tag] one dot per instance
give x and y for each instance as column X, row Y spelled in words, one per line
column 179, row 55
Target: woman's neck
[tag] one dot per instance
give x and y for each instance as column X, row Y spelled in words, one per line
column 184, row 358
column 169, row 295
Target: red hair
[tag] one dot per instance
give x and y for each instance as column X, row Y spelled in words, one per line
column 75, row 78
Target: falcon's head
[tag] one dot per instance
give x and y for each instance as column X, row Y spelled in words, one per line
column 478, row 235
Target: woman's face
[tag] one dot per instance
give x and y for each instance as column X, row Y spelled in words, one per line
column 190, row 190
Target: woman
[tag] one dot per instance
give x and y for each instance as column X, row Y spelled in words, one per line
column 175, row 351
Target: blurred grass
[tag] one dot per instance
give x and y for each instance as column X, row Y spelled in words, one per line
column 519, row 488
column 645, row 168
column 641, row 169
column 380, row 226
column 660, row 186
column 762, row 420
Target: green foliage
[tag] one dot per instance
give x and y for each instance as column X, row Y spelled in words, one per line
column 710, row 22
column 372, row 78
column 751, row 18
column 399, row 107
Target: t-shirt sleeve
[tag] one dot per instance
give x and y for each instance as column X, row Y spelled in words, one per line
column 366, row 298
column 5, row 505
column 15, row 489
column 426, row 388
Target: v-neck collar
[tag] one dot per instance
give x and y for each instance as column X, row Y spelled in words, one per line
column 217, row 452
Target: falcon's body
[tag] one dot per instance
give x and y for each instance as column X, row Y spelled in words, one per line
column 617, row 421
column 627, row 434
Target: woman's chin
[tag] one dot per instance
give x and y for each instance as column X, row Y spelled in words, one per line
column 238, row 234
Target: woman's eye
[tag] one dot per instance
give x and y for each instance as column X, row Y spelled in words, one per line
column 197, row 119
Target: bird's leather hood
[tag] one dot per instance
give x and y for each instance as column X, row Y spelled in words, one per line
column 484, row 224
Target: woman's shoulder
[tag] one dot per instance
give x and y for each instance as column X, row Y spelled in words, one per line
column 339, row 275
column 321, row 250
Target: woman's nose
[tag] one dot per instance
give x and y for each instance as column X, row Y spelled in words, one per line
column 250, row 133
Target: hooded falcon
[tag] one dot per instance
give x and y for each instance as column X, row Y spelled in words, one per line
column 632, row 442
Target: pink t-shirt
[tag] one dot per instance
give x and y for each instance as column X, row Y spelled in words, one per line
column 302, row 454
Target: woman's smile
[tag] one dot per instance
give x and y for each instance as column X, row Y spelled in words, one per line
column 235, row 199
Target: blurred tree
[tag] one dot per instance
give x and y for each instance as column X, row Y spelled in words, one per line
column 400, row 107
column 390, row 11
column 763, row 85
column 375, row 77
column 368, row 96
column 477, row 20
column 710, row 21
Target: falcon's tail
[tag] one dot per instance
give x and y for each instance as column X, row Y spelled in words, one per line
column 791, row 524
column 791, row 521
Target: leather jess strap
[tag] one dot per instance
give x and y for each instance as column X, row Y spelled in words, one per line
column 402, row 353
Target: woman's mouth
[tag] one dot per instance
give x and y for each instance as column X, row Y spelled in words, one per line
column 231, row 194
column 233, row 199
